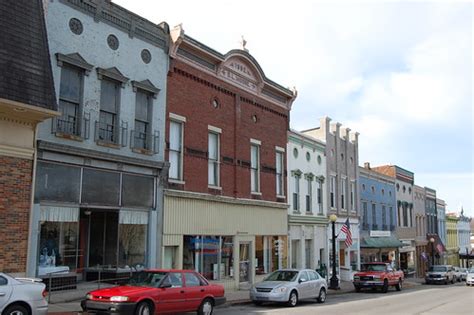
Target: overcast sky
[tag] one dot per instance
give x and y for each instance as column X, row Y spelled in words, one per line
column 400, row 73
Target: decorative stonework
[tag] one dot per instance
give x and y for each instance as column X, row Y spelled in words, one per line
column 113, row 42
column 75, row 25
column 146, row 56
column 237, row 71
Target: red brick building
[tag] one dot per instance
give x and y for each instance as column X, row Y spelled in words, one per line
column 225, row 209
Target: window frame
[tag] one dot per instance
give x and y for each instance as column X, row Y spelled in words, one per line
column 180, row 152
column 215, row 162
column 255, row 186
column 343, row 193
column 148, row 123
column 115, row 139
column 332, row 191
column 78, row 104
column 279, row 182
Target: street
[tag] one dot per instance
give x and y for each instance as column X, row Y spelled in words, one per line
column 432, row 299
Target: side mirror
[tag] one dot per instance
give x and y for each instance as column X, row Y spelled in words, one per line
column 165, row 285
column 302, row 280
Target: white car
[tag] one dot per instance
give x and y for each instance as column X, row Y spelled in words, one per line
column 457, row 274
column 463, row 273
column 22, row 296
column 470, row 277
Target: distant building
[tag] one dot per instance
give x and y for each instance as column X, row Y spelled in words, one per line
column 342, row 156
column 452, row 240
column 421, row 242
column 464, row 238
column 441, row 218
column 26, row 99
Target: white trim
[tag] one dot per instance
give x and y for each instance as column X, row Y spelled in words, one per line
column 177, row 117
column 255, row 141
column 214, row 129
column 214, row 187
column 176, row 181
column 281, row 196
column 279, row 149
column 256, row 193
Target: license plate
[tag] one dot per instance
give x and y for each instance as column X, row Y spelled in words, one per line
column 262, row 298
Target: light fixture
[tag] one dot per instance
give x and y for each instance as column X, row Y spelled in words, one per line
column 333, row 218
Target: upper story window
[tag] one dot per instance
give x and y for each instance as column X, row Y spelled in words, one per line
column 343, row 193
column 374, row 217
column 353, row 192
column 296, row 193
column 141, row 136
column 176, row 150
column 384, row 218
column 332, row 191
column 109, row 111
column 255, row 167
column 213, row 159
column 70, row 99
column 279, row 173
column 365, row 221
column 309, row 195
column 320, row 196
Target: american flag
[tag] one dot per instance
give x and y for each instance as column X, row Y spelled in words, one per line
column 346, row 229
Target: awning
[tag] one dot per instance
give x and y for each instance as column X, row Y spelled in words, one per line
column 380, row 242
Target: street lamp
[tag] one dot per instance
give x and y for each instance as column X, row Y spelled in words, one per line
column 432, row 250
column 334, row 281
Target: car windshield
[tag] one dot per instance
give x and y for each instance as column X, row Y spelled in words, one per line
column 373, row 267
column 147, row 279
column 438, row 268
column 471, row 270
column 283, row 275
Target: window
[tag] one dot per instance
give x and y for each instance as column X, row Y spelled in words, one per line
column 405, row 214
column 213, row 162
column 320, row 196
column 3, row 281
column 390, row 212
column 343, row 193
column 141, row 136
column 364, row 216
column 176, row 150
column 192, row 280
column 176, row 279
column 109, row 108
column 384, row 218
column 255, row 168
column 70, row 91
column 296, row 194
column 279, row 173
column 309, row 195
column 353, row 187
column 295, row 153
column 374, row 216
column 332, row 188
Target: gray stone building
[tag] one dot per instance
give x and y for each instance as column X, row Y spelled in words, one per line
column 342, row 158
column 100, row 173
column 421, row 241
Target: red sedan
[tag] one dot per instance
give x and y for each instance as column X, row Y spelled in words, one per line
column 157, row 292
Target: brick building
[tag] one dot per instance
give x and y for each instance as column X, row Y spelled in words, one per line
column 225, row 208
column 26, row 98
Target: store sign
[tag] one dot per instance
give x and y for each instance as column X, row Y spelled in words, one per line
column 379, row 233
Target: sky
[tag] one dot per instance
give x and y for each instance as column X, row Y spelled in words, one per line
column 400, row 73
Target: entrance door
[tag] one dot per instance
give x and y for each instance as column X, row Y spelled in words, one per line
column 170, row 257
column 103, row 238
column 244, row 262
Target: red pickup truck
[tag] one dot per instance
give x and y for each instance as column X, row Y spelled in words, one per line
column 378, row 275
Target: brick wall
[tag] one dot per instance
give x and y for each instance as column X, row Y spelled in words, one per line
column 190, row 93
column 15, row 194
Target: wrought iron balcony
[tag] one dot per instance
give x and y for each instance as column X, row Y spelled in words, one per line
column 71, row 126
column 145, row 141
column 111, row 133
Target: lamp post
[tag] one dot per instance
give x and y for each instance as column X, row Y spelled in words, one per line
column 334, row 281
column 432, row 250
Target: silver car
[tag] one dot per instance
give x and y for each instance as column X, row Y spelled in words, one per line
column 22, row 296
column 289, row 286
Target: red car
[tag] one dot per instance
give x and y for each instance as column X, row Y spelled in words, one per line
column 157, row 292
column 378, row 275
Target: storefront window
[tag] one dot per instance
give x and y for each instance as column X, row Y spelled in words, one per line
column 132, row 238
column 58, row 240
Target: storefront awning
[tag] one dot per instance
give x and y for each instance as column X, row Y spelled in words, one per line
column 380, row 242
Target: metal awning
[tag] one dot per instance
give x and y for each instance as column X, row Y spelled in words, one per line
column 381, row 242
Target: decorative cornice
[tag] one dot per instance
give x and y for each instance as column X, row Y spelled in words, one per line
column 74, row 59
column 306, row 219
column 112, row 73
column 147, row 86
column 17, row 152
column 296, row 173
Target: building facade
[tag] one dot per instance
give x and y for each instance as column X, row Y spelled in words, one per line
column 452, row 239
column 26, row 99
column 421, row 242
column 307, row 212
column 342, row 157
column 378, row 239
column 464, row 238
column 441, row 218
column 226, row 205
column 406, row 231
column 431, row 211
column 101, row 168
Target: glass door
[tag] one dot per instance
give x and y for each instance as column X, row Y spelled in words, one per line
column 244, row 259
column 103, row 239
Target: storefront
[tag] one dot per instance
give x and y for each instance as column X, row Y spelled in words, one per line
column 224, row 238
column 91, row 219
column 381, row 246
column 407, row 257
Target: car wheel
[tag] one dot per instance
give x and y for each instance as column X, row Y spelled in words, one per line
column 16, row 309
column 452, row 280
column 385, row 286
column 322, row 296
column 399, row 285
column 257, row 303
column 206, row 307
column 357, row 288
column 293, row 300
column 144, row 308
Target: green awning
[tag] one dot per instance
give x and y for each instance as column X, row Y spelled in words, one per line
column 381, row 242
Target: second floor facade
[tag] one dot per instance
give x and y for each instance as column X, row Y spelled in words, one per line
column 441, row 218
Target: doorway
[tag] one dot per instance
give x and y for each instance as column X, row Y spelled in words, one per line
column 244, row 255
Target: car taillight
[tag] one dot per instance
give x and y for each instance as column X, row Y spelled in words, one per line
column 45, row 293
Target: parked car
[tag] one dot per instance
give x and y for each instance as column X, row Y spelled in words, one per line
column 463, row 273
column 22, row 296
column 457, row 274
column 158, row 292
column 378, row 275
column 440, row 274
column 289, row 286
column 470, row 277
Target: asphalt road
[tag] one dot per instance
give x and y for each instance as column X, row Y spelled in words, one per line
column 423, row 299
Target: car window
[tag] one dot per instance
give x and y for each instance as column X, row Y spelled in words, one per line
column 303, row 275
column 3, row 281
column 192, row 280
column 282, row 275
column 313, row 275
column 176, row 279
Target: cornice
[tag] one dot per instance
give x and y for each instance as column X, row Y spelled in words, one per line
column 17, row 152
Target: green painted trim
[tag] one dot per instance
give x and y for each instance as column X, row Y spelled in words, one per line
column 307, row 143
column 307, row 219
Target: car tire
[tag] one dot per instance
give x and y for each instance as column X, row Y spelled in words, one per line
column 322, row 296
column 206, row 307
column 357, row 288
column 257, row 303
column 16, row 309
column 293, row 299
column 399, row 285
column 144, row 308
column 385, row 286
column 452, row 280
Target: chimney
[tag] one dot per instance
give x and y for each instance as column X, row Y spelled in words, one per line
column 367, row 165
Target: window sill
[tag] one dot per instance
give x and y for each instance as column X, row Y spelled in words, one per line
column 107, row 144
column 256, row 193
column 142, row 151
column 176, row 181
column 281, row 196
column 69, row 136
column 296, row 212
column 214, row 187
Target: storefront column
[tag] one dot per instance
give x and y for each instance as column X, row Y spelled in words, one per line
column 236, row 264
column 32, row 258
column 302, row 258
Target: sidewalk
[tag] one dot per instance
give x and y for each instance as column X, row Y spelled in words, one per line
column 68, row 302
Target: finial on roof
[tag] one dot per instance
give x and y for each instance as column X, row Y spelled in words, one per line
column 243, row 42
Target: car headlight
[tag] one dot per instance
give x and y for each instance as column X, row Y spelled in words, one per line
column 356, row 277
column 119, row 298
column 89, row 296
column 280, row 290
column 376, row 277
